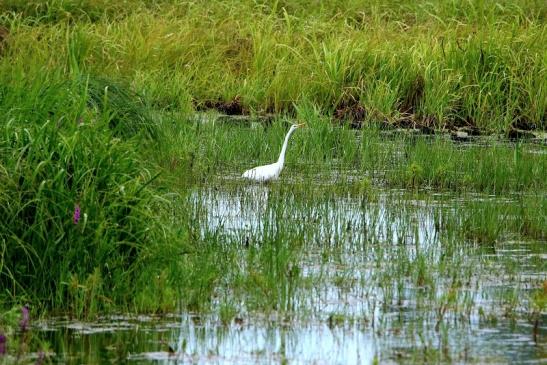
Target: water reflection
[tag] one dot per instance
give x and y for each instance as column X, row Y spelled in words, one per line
column 198, row 339
column 360, row 293
column 343, row 220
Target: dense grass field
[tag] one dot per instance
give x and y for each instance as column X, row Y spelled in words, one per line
column 114, row 150
column 444, row 64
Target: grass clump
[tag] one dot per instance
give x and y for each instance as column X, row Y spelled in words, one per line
column 199, row 151
column 127, row 112
column 78, row 215
column 76, row 212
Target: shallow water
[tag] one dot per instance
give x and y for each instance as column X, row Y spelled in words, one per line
column 206, row 340
column 338, row 277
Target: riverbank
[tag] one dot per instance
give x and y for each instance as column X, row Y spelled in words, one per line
column 478, row 66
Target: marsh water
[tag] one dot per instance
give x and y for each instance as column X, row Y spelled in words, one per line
column 316, row 272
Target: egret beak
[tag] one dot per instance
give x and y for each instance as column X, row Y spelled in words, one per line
column 300, row 125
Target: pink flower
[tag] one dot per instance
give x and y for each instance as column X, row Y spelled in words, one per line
column 3, row 340
column 40, row 359
column 76, row 216
column 25, row 317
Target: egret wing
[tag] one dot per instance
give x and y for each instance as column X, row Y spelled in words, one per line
column 262, row 173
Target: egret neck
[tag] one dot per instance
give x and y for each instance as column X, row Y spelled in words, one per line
column 281, row 159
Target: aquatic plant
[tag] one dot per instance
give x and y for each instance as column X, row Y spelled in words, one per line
column 76, row 215
column 3, row 341
column 25, row 318
column 18, row 343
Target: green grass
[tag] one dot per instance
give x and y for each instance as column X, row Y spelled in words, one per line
column 205, row 150
column 68, row 145
column 83, row 141
column 444, row 65
column 97, row 106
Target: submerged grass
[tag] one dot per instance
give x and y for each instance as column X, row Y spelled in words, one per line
column 413, row 265
column 353, row 158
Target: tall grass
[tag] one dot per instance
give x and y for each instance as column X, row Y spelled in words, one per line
column 202, row 151
column 95, row 101
column 478, row 64
column 79, row 220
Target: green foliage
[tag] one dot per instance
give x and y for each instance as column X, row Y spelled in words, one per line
column 414, row 174
column 126, row 111
column 53, row 11
column 17, row 339
column 196, row 150
column 78, row 217
column 96, row 101
column 50, row 173
column 442, row 65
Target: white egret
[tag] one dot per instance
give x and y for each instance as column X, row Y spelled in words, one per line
column 271, row 171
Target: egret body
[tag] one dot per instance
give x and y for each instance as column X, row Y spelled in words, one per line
column 271, row 171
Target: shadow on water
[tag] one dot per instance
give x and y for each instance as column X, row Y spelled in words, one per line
column 338, row 277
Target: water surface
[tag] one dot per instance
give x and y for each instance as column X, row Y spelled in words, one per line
column 335, row 276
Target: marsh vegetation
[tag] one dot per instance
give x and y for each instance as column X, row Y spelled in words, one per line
column 126, row 230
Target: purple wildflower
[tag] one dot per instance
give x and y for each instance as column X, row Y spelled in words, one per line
column 25, row 317
column 76, row 216
column 3, row 340
column 40, row 359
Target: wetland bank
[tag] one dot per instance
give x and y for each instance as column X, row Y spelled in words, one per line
column 408, row 226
